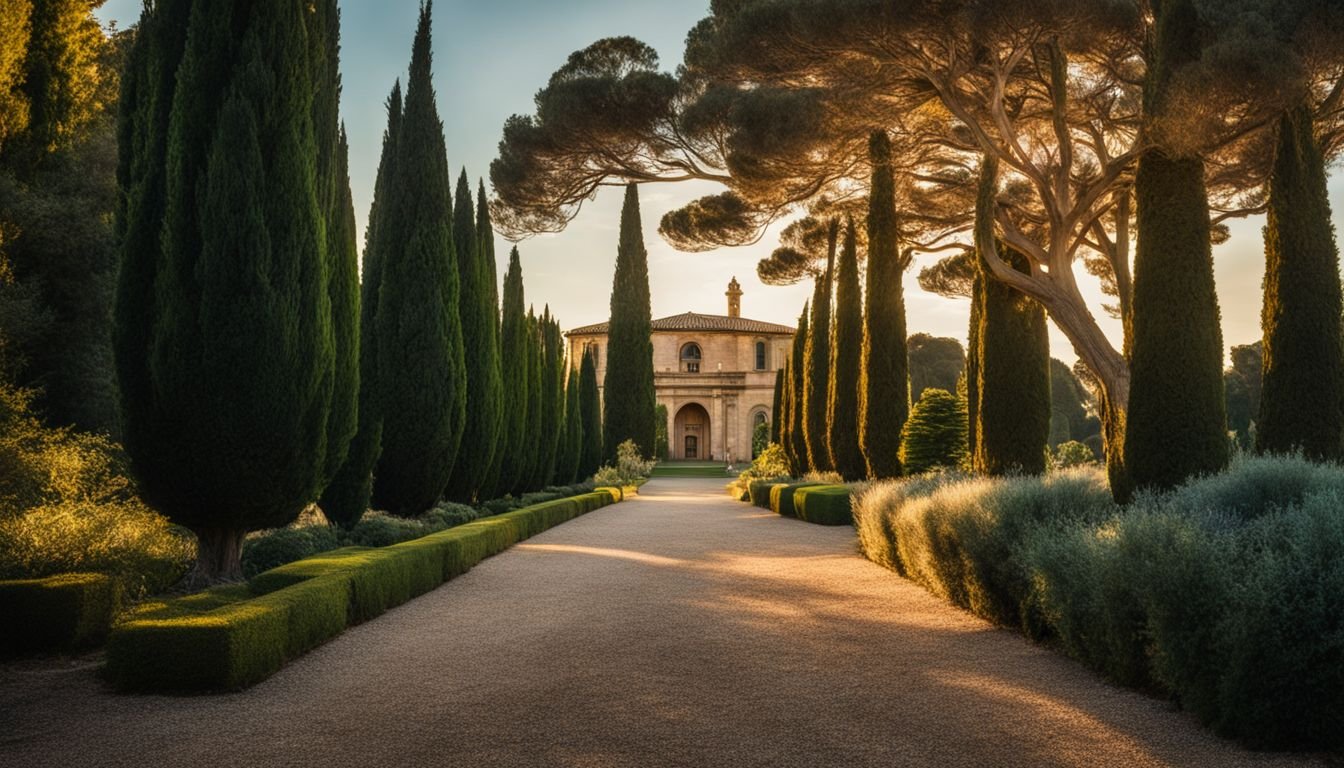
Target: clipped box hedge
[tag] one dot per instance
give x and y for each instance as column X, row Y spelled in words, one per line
column 234, row 637
column 758, row 492
column 823, row 504
column 64, row 612
column 781, row 498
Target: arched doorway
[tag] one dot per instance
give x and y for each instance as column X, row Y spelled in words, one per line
column 690, row 433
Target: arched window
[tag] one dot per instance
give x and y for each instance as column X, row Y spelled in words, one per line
column 760, row 418
column 691, row 357
column 760, row 355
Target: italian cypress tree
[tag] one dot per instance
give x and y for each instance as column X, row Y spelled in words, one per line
column 420, row 360
column 971, row 377
column 817, row 359
column 786, row 411
column 231, row 434
column 1176, row 423
column 534, row 452
column 884, row 389
column 567, row 468
column 1300, row 407
column 514, row 353
column 348, row 495
column 485, row 232
column 935, row 435
column 590, row 405
column 552, row 398
column 479, row 314
column 842, row 411
column 628, row 407
column 798, row 397
column 777, row 407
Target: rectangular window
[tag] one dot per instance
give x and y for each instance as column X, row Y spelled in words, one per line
column 692, row 367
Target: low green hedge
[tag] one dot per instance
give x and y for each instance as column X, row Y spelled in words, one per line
column 781, row 498
column 57, row 613
column 823, row 504
column 234, row 637
column 759, row 492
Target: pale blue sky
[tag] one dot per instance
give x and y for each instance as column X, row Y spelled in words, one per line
column 490, row 58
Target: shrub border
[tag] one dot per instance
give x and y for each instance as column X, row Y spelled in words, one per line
column 65, row 612
column 824, row 504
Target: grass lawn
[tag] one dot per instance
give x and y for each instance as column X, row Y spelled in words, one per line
column 715, row 469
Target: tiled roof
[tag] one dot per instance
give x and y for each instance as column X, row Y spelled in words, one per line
column 692, row 321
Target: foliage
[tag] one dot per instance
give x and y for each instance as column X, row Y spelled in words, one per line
column 1072, row 454
column 421, row 364
column 884, row 387
column 265, row 550
column 782, row 497
column 630, row 469
column 514, row 355
column 628, row 395
column 67, row 612
column 817, row 362
column 553, row 398
column 935, row 362
column 567, row 469
column 661, row 447
column 1069, row 407
column 823, row 504
column 777, row 406
column 531, row 452
column 760, row 438
column 590, row 405
column 935, row 434
column 770, row 464
column 1301, row 408
column 796, row 441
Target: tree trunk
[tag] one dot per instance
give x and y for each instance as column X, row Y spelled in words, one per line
column 219, row 556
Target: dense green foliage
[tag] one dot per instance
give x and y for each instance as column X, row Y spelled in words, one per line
column 796, row 443
column 567, row 466
column 823, row 504
column 590, row 405
column 485, row 231
column 1224, row 593
column 1242, row 384
column 1301, row 406
column 661, row 446
column 67, row 612
column 970, row 380
column 243, row 257
column 1176, row 423
column 478, row 311
column 627, row 393
column 935, row 362
column 817, row 364
column 777, row 406
column 421, row 368
column 842, row 412
column 782, row 495
column 935, row 434
column 1012, row 427
column 1069, row 400
column 532, row 451
column 552, row 400
column 884, row 388
column 515, row 343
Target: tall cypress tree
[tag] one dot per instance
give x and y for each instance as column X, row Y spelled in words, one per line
column 798, row 397
column 1176, row 423
column 884, row 389
column 817, row 358
column 777, row 407
column 348, row 495
column 514, row 352
column 786, row 411
column 533, row 449
column 478, row 313
column 567, row 468
column 628, row 407
column 590, row 405
column 552, row 398
column 842, row 410
column 485, row 232
column 420, row 359
column 971, row 377
column 1300, row 407
column 229, row 435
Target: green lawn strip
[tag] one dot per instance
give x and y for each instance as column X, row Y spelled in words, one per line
column 708, row 470
column 233, row 637
column 64, row 612
column 823, row 504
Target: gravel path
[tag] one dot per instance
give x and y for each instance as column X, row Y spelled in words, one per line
column 678, row 629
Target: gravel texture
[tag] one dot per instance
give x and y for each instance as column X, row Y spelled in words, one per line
column 681, row 628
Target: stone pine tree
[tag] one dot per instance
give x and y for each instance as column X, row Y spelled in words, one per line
column 884, row 388
column 590, row 405
column 567, row 467
column 421, row 367
column 348, row 495
column 798, row 397
column 513, row 357
column 479, row 315
column 628, row 398
column 485, row 233
column 229, row 434
column 842, row 411
column 777, row 407
column 1176, row 424
column 552, row 397
column 817, row 359
column 533, row 448
column 1300, row 406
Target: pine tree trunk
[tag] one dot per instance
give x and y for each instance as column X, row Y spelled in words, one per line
column 218, row 556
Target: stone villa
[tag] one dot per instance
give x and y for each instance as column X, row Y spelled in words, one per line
column 714, row 373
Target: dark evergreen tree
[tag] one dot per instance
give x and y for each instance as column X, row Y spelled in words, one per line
column 515, row 346
column 420, row 359
column 343, row 290
column 817, row 359
column 1013, row 413
column 627, row 393
column 590, row 405
column 884, row 387
column 567, row 468
column 488, row 276
column 347, row 497
column 935, row 435
column 786, row 411
column 777, row 407
column 479, row 315
column 533, row 452
column 797, row 448
column 1300, row 406
column 1176, row 423
column 1069, row 399
column 970, row 379
column 935, row 363
column 230, row 434
column 552, row 398
column 842, row 412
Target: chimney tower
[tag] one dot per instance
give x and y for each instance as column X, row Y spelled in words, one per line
column 734, row 299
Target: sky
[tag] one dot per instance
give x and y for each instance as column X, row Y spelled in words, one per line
column 489, row 61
